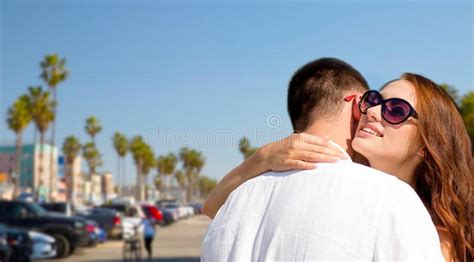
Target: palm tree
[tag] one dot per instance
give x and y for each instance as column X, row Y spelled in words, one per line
column 18, row 119
column 71, row 149
column 166, row 166
column 92, row 156
column 138, row 149
column 42, row 114
column 245, row 148
column 198, row 164
column 206, row 185
column 93, row 127
column 53, row 73
column 193, row 161
column 94, row 159
column 149, row 162
column 158, row 182
column 120, row 143
column 182, row 181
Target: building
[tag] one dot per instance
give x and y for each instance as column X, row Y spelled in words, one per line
column 32, row 155
column 93, row 189
column 108, row 186
column 74, row 179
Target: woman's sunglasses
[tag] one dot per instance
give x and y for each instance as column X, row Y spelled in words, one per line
column 394, row 110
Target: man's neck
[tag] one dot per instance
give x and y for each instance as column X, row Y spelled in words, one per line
column 334, row 132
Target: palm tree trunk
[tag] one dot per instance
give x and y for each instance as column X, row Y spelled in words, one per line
column 53, row 134
column 91, row 185
column 18, row 165
column 72, row 181
column 166, row 185
column 138, row 182
column 68, row 176
column 40, row 164
column 118, row 175
column 189, row 188
column 124, row 172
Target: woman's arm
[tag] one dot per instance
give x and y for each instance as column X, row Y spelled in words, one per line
column 298, row 151
column 251, row 167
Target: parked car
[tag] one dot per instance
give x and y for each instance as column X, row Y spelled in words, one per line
column 189, row 211
column 58, row 207
column 168, row 217
column 93, row 236
column 171, row 208
column 109, row 220
column 26, row 197
column 69, row 232
column 153, row 213
column 20, row 243
column 132, row 216
column 178, row 211
column 102, row 235
column 44, row 246
column 197, row 208
column 5, row 250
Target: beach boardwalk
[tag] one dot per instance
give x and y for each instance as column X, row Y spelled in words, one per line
column 179, row 242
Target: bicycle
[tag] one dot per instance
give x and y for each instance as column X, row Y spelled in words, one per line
column 132, row 248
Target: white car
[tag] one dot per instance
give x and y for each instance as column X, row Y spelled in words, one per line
column 189, row 210
column 178, row 212
column 44, row 246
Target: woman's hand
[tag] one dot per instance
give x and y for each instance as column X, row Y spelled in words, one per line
column 299, row 151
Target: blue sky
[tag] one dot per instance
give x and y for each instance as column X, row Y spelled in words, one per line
column 205, row 73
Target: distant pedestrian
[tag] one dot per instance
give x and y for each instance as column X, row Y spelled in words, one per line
column 148, row 235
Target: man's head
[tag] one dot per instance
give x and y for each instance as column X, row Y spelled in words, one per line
column 317, row 91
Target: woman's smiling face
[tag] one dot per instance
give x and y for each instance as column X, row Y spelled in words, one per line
column 383, row 143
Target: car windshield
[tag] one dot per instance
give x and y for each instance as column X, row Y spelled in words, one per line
column 55, row 207
column 102, row 211
column 120, row 208
column 36, row 209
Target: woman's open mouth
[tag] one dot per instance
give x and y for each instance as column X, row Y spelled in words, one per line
column 371, row 131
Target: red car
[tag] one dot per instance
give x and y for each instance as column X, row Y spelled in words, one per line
column 153, row 213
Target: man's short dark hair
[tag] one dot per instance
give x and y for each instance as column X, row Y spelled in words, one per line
column 316, row 90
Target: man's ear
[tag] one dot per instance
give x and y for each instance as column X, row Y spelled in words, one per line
column 355, row 108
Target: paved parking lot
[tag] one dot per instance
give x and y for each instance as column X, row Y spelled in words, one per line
column 178, row 242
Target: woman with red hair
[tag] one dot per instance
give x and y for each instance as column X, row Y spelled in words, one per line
column 411, row 129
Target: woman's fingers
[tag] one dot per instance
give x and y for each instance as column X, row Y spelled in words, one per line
column 298, row 164
column 323, row 150
column 320, row 145
column 310, row 156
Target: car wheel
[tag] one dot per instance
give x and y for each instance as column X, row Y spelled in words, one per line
column 72, row 249
column 63, row 248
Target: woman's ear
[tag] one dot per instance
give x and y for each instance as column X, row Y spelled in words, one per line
column 422, row 152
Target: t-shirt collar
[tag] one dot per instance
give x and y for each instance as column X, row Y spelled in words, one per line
column 342, row 150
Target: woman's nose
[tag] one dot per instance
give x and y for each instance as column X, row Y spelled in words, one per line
column 375, row 113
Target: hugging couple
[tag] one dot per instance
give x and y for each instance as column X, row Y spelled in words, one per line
column 367, row 176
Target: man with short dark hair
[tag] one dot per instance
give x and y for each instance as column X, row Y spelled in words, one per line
column 340, row 211
column 316, row 88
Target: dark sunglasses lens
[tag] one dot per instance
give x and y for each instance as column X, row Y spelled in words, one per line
column 369, row 100
column 396, row 111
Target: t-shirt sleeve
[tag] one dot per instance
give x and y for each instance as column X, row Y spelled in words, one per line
column 405, row 231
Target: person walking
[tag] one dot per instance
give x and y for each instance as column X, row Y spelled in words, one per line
column 148, row 235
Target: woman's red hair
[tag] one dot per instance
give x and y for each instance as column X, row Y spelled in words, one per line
column 444, row 180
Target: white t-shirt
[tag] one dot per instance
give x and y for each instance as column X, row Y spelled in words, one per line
column 338, row 212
